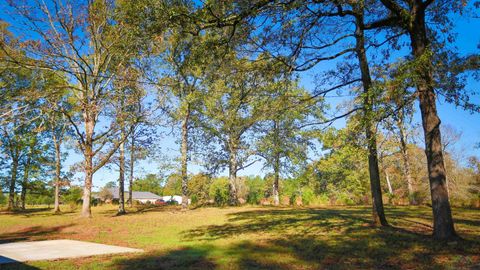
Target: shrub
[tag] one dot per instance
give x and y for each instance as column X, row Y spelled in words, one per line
column 321, row 199
column 307, row 195
column 255, row 189
column 194, row 199
column 73, row 195
column 254, row 197
column 344, row 199
column 219, row 191
column 3, row 199
column 171, row 202
column 418, row 197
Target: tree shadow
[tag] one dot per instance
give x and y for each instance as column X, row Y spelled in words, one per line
column 332, row 239
column 281, row 220
column 141, row 210
column 420, row 219
column 25, row 212
column 186, row 258
column 37, row 232
column 10, row 264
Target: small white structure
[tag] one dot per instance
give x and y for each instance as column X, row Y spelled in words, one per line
column 174, row 198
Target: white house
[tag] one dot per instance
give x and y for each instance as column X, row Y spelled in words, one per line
column 140, row 196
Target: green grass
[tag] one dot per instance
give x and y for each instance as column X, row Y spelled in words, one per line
column 253, row 238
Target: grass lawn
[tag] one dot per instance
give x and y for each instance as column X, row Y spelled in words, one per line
column 253, row 238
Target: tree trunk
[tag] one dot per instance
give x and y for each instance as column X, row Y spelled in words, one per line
column 13, row 181
column 378, row 213
column 132, row 164
column 406, row 163
column 184, row 161
column 88, row 154
column 232, row 177
column 58, row 161
column 121, row 180
column 26, row 172
column 276, row 197
column 443, row 227
column 389, row 184
column 86, row 211
column 23, row 194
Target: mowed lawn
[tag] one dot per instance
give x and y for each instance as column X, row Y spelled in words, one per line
column 253, row 238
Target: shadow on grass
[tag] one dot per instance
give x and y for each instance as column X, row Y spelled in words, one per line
column 186, row 258
column 25, row 212
column 142, row 210
column 37, row 232
column 332, row 239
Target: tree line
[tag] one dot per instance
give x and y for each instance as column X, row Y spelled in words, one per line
column 100, row 76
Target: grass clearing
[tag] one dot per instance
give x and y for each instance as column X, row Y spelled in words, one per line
column 252, row 238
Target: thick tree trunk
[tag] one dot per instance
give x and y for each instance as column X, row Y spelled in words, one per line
column 378, row 213
column 232, row 177
column 132, row 164
column 443, row 227
column 406, row 164
column 184, row 150
column 13, row 182
column 121, row 180
column 87, row 190
column 58, row 161
column 88, row 155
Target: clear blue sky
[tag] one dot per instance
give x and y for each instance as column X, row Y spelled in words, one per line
column 469, row 124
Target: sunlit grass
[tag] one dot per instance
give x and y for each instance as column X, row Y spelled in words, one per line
column 253, row 238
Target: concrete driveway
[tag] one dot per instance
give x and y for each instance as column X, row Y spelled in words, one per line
column 55, row 249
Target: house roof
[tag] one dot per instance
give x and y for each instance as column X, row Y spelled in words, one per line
column 136, row 195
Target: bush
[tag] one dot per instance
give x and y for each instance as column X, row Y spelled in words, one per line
column 219, row 191
column 307, row 195
column 255, row 190
column 321, row 199
column 194, row 199
column 418, row 197
column 94, row 202
column 344, row 199
column 198, row 189
column 3, row 199
column 391, row 198
column 171, row 202
column 254, row 197
column 73, row 196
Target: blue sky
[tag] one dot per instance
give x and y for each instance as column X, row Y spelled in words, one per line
column 469, row 124
column 465, row 122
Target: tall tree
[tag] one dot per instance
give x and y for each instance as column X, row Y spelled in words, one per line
column 284, row 143
column 186, row 58
column 412, row 17
column 236, row 99
column 87, row 47
column 369, row 117
column 58, row 129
